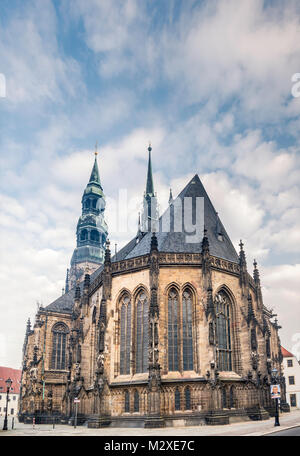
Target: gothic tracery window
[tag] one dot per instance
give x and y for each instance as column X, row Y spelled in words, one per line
column 59, row 341
column 180, row 330
column 187, row 331
column 173, row 315
column 125, row 343
column 142, row 337
column 223, row 332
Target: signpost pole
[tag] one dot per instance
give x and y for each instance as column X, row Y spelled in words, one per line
column 275, row 394
column 276, row 413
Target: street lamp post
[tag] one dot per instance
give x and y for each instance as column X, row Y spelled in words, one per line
column 8, row 385
column 275, row 379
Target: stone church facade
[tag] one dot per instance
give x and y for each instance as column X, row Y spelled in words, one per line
column 165, row 332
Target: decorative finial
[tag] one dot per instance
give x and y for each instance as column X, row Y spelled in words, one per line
column 171, row 197
column 96, row 148
column 255, row 264
column 150, row 147
column 241, row 244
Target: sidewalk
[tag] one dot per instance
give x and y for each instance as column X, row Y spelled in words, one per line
column 246, row 428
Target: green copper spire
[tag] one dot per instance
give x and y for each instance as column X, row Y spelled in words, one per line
column 149, row 186
column 91, row 230
column 95, row 176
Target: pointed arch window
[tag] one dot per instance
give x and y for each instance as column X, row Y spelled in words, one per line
column 177, row 399
column 224, row 398
column 231, row 397
column 125, row 344
column 126, row 402
column 187, row 331
column 187, row 397
column 173, row 333
column 59, row 341
column 136, row 402
column 142, row 336
column 223, row 332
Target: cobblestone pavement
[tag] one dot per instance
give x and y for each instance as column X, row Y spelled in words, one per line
column 245, row 428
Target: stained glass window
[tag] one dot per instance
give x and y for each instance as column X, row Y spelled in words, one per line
column 173, row 330
column 59, row 338
column 187, row 331
column 141, row 360
column 125, row 335
column 223, row 332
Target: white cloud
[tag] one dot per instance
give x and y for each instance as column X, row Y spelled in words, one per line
column 281, row 289
column 30, row 57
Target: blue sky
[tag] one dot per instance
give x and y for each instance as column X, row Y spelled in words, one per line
column 209, row 83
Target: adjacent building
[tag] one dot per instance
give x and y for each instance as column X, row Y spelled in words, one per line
column 14, row 394
column 291, row 368
column 172, row 330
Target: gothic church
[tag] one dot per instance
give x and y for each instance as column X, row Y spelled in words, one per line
column 165, row 332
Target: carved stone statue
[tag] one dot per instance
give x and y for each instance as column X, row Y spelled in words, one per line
column 33, row 374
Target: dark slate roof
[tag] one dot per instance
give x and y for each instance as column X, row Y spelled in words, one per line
column 65, row 302
column 169, row 241
column 177, row 241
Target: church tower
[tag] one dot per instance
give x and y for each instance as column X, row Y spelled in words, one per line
column 150, row 206
column 91, row 230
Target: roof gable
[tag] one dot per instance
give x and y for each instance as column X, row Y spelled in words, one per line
column 174, row 241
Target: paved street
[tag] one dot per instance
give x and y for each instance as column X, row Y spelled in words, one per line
column 248, row 428
column 293, row 432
